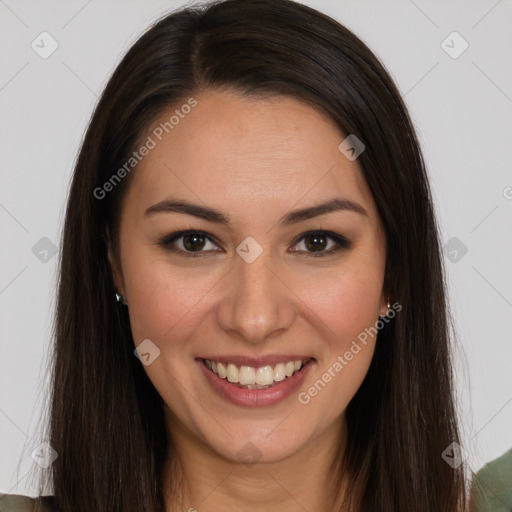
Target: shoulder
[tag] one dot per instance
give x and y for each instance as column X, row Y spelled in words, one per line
column 492, row 486
column 20, row 503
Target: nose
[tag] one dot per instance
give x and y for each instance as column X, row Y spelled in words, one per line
column 257, row 303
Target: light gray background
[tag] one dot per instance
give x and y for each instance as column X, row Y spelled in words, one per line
column 462, row 110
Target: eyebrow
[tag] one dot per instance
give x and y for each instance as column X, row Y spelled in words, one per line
column 218, row 217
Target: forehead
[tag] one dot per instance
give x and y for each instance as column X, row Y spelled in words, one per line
column 233, row 152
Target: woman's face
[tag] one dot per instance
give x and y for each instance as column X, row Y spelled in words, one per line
column 249, row 291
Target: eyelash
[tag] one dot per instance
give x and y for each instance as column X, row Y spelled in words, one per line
column 167, row 241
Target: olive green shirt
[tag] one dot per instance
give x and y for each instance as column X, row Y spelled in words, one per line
column 19, row 503
column 491, row 489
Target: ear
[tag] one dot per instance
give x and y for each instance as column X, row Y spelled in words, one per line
column 117, row 275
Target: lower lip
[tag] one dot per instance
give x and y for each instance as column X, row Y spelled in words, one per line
column 255, row 397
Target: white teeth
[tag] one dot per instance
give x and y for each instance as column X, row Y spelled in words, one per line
column 254, row 377
column 221, row 370
column 247, row 375
column 279, row 372
column 232, row 373
column 264, row 376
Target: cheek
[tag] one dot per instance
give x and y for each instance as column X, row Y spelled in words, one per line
column 346, row 300
column 346, row 303
column 161, row 303
column 348, row 313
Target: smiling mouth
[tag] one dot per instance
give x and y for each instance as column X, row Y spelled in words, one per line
column 249, row 377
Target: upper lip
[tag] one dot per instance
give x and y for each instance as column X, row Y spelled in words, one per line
column 257, row 362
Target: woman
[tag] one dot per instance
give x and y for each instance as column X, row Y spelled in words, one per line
column 251, row 289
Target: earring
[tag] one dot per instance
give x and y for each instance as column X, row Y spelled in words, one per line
column 119, row 297
column 389, row 307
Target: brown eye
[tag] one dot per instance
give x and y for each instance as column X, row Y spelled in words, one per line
column 187, row 243
column 316, row 242
column 193, row 242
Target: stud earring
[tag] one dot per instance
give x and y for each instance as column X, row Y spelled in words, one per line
column 387, row 313
column 119, row 297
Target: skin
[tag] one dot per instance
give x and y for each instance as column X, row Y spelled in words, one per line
column 255, row 160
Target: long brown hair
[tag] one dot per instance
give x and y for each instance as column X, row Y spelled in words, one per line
column 106, row 419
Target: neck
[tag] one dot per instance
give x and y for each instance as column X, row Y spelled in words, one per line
column 208, row 482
